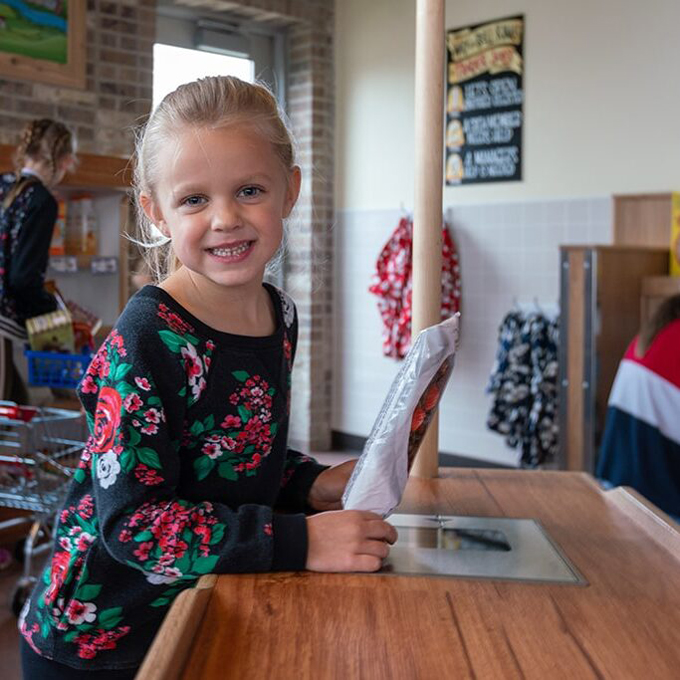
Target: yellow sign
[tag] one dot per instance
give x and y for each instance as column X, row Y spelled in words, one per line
column 675, row 235
column 468, row 42
column 492, row 61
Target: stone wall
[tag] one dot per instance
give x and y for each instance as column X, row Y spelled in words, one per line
column 120, row 38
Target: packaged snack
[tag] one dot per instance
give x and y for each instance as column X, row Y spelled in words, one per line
column 57, row 245
column 52, row 332
column 380, row 476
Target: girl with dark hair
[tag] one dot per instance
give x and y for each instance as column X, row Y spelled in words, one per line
column 641, row 443
column 28, row 212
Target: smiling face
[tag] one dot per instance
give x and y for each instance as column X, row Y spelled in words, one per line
column 222, row 197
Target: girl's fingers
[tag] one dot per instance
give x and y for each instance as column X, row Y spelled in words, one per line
column 376, row 548
column 366, row 563
column 381, row 530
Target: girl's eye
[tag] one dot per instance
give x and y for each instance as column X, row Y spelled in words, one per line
column 251, row 192
column 193, row 201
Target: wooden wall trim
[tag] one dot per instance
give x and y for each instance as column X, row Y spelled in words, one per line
column 93, row 171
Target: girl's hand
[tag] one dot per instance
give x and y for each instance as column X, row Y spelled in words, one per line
column 348, row 540
column 326, row 492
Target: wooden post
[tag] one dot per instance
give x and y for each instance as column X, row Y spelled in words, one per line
column 427, row 220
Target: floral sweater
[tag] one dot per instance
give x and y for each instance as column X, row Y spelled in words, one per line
column 186, row 458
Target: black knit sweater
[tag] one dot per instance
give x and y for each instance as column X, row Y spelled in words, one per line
column 186, row 459
column 26, row 228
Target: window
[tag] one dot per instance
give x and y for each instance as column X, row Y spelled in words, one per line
column 173, row 66
column 192, row 44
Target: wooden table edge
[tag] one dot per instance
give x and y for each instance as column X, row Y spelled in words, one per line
column 170, row 650
column 661, row 528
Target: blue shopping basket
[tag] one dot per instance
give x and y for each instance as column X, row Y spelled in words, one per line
column 53, row 369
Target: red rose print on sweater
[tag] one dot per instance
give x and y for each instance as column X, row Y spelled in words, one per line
column 106, row 420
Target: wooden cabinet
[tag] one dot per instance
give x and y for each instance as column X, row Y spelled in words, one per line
column 600, row 292
column 642, row 220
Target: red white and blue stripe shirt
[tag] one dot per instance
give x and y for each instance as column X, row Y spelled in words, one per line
column 641, row 443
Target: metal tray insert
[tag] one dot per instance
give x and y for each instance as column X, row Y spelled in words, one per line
column 478, row 547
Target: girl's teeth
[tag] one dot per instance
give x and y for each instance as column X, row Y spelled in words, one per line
column 231, row 252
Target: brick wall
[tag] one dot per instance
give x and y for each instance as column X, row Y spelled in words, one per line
column 309, row 263
column 120, row 39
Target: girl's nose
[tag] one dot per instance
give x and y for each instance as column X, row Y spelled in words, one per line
column 225, row 216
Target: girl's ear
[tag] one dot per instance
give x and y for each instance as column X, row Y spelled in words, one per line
column 152, row 211
column 292, row 191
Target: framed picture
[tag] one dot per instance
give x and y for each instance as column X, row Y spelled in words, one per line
column 43, row 40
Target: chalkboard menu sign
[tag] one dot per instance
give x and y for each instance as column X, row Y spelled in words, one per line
column 484, row 102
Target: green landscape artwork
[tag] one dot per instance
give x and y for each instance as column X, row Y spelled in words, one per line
column 37, row 29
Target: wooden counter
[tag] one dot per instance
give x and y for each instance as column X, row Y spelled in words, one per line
column 624, row 624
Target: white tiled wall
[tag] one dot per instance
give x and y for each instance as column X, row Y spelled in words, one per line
column 507, row 251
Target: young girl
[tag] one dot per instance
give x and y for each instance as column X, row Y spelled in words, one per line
column 28, row 211
column 187, row 402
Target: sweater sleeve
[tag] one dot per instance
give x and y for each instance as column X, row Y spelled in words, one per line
column 134, row 395
column 299, row 473
column 30, row 257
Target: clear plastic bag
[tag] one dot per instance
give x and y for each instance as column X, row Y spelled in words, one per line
column 379, row 478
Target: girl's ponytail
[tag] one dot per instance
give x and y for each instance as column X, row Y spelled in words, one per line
column 41, row 140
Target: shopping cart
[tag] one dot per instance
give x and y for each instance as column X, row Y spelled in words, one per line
column 39, row 452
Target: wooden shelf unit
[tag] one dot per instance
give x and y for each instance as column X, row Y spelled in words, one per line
column 600, row 291
column 100, row 175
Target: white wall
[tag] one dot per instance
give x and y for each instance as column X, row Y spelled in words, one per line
column 601, row 99
column 601, row 103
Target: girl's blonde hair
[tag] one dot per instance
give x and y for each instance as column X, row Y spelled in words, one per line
column 211, row 102
column 41, row 140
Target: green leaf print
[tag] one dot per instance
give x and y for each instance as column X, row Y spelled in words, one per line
column 241, row 376
column 121, row 371
column 143, row 536
column 133, row 436
column 110, row 618
column 87, row 592
column 217, row 534
column 69, row 637
column 153, row 401
column 203, row 466
column 173, row 341
column 227, row 471
column 160, row 602
column 271, row 391
column 79, row 475
column 204, row 565
column 273, row 429
column 124, row 389
column 196, row 428
column 183, row 563
column 209, row 422
column 149, row 457
column 44, row 629
column 244, row 413
column 127, row 460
